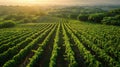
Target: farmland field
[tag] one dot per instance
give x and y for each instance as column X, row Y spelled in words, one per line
column 59, row 35
column 60, row 44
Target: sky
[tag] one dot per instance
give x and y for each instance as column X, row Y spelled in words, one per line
column 68, row 2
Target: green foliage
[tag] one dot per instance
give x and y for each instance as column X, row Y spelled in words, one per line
column 26, row 20
column 22, row 14
column 97, row 44
column 10, row 64
column 7, row 24
column 96, row 17
column 117, row 17
column 73, row 16
column 83, row 17
column 90, row 60
column 53, row 59
column 68, row 50
column 37, row 55
column 113, row 12
column 111, row 20
column 29, row 43
column 104, row 44
column 73, row 12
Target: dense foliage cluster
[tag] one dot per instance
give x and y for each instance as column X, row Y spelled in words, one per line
column 7, row 24
column 110, row 18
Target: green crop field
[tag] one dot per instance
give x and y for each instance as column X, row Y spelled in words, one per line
column 60, row 44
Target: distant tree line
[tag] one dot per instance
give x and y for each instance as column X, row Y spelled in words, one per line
column 90, row 14
column 21, row 14
column 110, row 18
column 12, row 15
column 73, row 12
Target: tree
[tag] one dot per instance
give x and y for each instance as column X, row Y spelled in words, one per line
column 113, row 12
column 111, row 21
column 83, row 17
column 7, row 24
column 96, row 17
